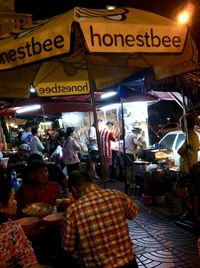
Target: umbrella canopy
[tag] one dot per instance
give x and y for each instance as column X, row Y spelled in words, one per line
column 85, row 49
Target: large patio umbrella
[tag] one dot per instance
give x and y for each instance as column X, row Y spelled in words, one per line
column 84, row 50
column 63, row 55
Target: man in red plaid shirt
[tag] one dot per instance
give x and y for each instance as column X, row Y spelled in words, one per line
column 95, row 225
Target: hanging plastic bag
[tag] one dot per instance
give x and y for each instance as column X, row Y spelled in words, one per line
column 57, row 154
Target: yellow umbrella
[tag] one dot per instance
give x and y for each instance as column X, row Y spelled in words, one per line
column 87, row 48
column 84, row 50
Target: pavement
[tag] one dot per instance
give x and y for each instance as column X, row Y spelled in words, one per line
column 159, row 242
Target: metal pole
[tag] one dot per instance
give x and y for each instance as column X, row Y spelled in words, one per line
column 46, row 140
column 92, row 87
column 186, row 129
column 124, row 148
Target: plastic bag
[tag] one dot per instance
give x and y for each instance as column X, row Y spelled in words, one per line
column 57, row 154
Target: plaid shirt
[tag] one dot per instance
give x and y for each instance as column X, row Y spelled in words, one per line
column 95, row 226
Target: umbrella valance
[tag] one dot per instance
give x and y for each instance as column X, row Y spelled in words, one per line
column 53, row 55
column 48, row 107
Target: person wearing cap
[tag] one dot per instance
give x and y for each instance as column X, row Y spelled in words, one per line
column 106, row 136
column 131, row 144
column 17, row 161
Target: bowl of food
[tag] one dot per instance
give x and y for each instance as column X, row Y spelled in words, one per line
column 39, row 209
column 28, row 223
column 54, row 218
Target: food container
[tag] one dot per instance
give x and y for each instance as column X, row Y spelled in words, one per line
column 53, row 219
column 28, row 223
column 140, row 167
column 63, row 203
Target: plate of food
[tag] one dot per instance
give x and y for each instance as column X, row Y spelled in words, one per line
column 28, row 221
column 39, row 209
column 55, row 217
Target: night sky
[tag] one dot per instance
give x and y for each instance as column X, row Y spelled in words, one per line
column 53, row 7
column 168, row 8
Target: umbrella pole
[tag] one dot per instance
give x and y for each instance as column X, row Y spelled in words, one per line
column 183, row 85
column 92, row 87
column 186, row 130
column 46, row 139
column 124, row 148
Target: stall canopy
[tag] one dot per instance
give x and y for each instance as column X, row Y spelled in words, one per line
column 87, row 49
column 57, row 105
column 185, row 86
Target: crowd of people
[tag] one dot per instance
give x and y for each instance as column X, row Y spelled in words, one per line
column 94, row 231
column 104, row 211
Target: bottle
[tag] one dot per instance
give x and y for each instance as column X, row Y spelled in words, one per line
column 14, row 182
column 54, row 210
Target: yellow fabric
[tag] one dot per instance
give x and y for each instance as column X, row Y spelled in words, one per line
column 65, row 54
column 189, row 157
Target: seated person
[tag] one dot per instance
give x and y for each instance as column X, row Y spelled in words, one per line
column 36, row 187
column 55, row 172
column 16, row 249
column 17, row 161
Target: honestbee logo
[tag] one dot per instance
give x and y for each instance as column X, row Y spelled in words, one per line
column 148, row 39
column 60, row 89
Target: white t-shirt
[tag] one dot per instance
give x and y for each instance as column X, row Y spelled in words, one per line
column 131, row 143
column 36, row 146
column 92, row 145
column 26, row 136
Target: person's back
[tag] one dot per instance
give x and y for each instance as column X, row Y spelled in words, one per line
column 93, row 148
column 189, row 150
column 185, row 186
column 99, row 218
column 190, row 157
column 35, row 143
column 130, row 145
column 70, row 151
column 26, row 134
column 92, row 144
column 106, row 136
